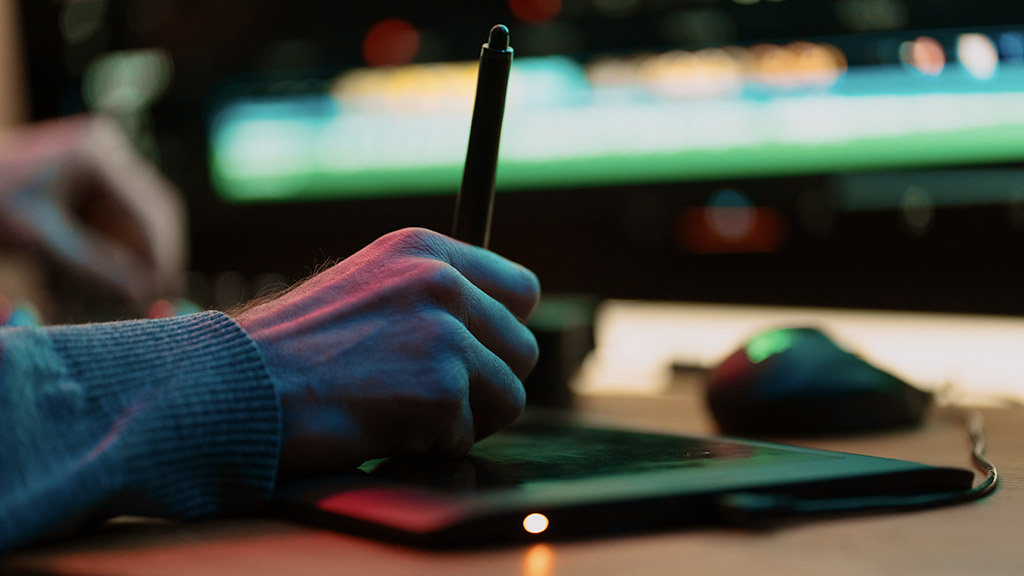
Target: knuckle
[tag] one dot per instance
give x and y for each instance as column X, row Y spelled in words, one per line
column 413, row 241
column 429, row 287
column 445, row 286
column 440, row 275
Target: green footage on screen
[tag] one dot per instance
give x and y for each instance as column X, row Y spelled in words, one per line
column 560, row 131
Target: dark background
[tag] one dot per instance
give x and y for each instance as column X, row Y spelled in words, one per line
column 623, row 241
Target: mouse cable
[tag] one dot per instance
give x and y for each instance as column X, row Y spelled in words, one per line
column 746, row 507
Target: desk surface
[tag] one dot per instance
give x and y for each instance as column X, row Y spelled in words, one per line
column 979, row 538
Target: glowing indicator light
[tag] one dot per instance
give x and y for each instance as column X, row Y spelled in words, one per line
column 535, row 523
column 768, row 344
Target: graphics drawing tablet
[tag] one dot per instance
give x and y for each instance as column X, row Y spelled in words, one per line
column 549, row 476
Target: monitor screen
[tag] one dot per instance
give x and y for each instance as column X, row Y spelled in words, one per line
column 924, row 99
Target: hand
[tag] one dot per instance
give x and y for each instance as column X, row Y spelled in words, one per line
column 415, row 344
column 74, row 192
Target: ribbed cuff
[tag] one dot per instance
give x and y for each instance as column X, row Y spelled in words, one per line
column 196, row 430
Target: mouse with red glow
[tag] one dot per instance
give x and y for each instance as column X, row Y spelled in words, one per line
column 798, row 381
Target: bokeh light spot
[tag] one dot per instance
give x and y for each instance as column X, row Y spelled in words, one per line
column 391, row 42
column 918, row 210
column 1011, row 45
column 978, row 55
column 535, row 10
column 870, row 15
column 730, row 214
column 616, row 8
column 80, row 21
column 127, row 81
column 162, row 308
column 923, row 54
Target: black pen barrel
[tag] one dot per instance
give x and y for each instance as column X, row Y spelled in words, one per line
column 475, row 203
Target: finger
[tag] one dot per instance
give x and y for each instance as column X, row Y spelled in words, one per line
column 457, row 436
column 123, row 196
column 513, row 285
column 74, row 178
column 499, row 331
column 496, row 394
column 107, row 264
column 487, row 320
column 492, row 397
column 110, row 266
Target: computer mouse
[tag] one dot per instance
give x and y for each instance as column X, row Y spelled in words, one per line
column 798, row 381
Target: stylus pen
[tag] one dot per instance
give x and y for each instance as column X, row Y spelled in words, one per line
column 475, row 202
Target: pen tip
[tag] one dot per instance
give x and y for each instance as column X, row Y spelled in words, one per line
column 498, row 38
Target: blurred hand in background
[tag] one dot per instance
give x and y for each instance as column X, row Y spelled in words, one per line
column 76, row 196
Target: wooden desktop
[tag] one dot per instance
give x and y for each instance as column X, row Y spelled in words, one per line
column 978, row 538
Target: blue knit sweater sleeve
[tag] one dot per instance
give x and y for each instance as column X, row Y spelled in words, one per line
column 171, row 418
